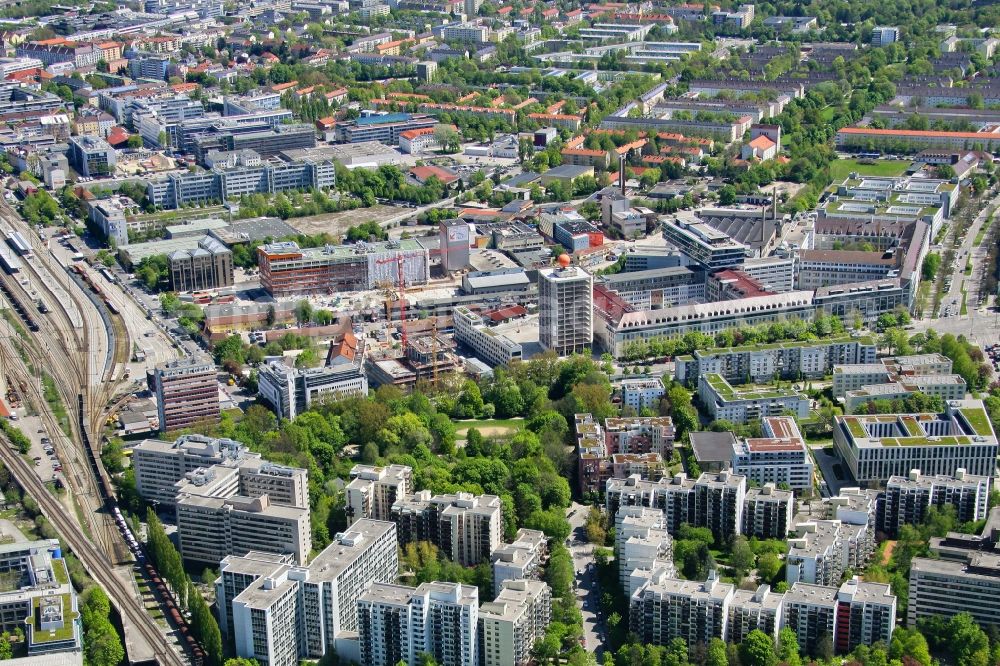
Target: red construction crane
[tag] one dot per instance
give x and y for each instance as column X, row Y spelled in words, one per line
column 401, row 296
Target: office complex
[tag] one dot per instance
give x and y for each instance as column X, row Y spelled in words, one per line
column 92, row 156
column 522, row 558
column 565, row 303
column 187, row 393
column 908, row 498
column 705, row 246
column 291, row 391
column 372, row 491
column 779, row 456
column 38, row 598
column 466, row 528
column 208, row 266
column 876, row 448
column 287, row 270
column 492, row 347
column 279, row 613
column 510, row 624
column 397, row 623
column 160, row 465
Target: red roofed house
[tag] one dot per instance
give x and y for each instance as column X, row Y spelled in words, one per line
column 765, row 142
column 423, row 173
column 118, row 136
column 419, row 140
column 584, row 157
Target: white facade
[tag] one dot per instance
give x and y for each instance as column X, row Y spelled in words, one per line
column 510, row 625
column 495, row 349
column 372, row 491
column 779, row 457
column 565, row 301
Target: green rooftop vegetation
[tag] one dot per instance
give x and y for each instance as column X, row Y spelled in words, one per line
column 747, row 392
column 855, row 428
column 977, row 420
column 65, row 633
column 911, row 427
column 791, row 344
column 59, row 571
column 924, row 441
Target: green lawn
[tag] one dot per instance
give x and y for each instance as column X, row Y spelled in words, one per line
column 982, row 231
column 841, row 169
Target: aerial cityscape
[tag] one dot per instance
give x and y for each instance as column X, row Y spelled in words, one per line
column 499, row 333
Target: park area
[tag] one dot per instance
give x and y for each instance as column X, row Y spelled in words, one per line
column 841, row 169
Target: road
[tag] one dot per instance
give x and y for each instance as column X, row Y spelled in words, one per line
column 979, row 325
column 588, row 592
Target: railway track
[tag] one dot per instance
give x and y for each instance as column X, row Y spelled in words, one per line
column 95, row 561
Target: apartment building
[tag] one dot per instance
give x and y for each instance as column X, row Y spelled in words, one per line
column 785, row 360
column 745, row 404
column 207, row 267
column 520, row 559
column 398, row 624
column 810, row 611
column 291, row 391
column 510, row 624
column 279, row 613
column 287, row 270
column 851, row 377
column 715, row 500
column 666, row 608
column 780, row 456
column 640, row 434
column 768, row 512
column 907, row 499
column 372, row 491
column 211, row 528
column 187, row 393
column 866, row 615
column 754, row 609
column 466, row 528
column 565, row 302
column 38, row 598
column 946, row 387
column 883, row 35
column 492, row 347
column 822, row 550
column 876, row 448
column 642, row 546
column 868, row 138
column 641, row 394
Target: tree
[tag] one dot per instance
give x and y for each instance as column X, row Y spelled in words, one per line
column 768, row 567
column 929, row 268
column 134, row 141
column 757, row 649
column 788, row 648
column 303, row 311
column 727, row 195
column 741, row 557
column 6, row 650
column 717, row 654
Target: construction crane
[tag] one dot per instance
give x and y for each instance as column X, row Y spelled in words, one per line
column 400, row 295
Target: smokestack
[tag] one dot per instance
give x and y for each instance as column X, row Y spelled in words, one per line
column 621, row 173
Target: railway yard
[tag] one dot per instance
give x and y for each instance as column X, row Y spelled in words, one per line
column 68, row 363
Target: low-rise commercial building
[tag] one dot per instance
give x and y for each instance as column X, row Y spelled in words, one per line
column 492, row 347
column 290, row 391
